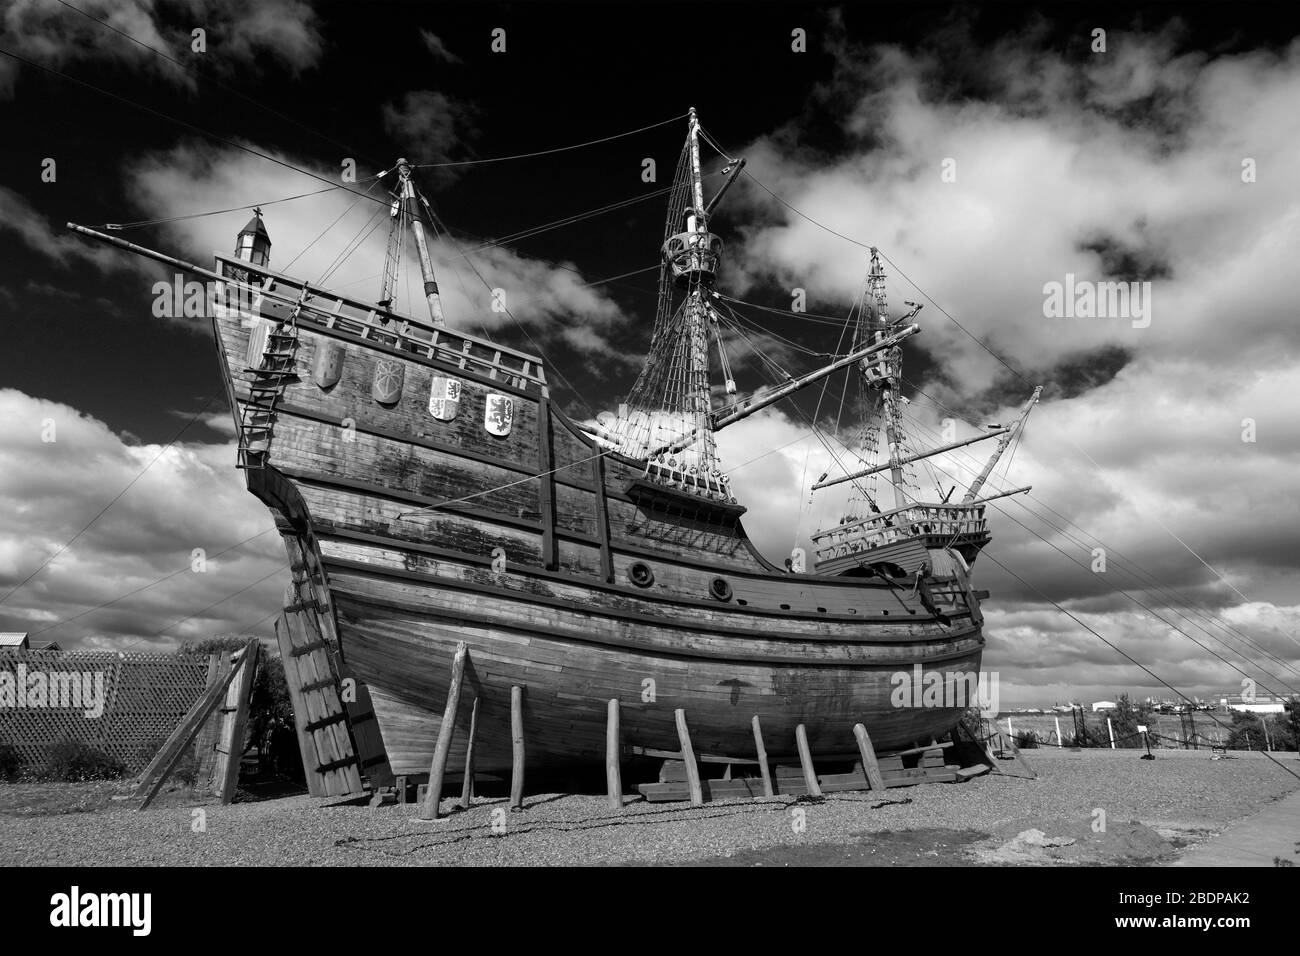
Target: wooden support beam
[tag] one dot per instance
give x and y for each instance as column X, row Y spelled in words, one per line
column 546, row 477
column 231, row 748
column 165, row 761
column 602, row 523
column 688, row 758
column 613, row 773
column 517, row 746
column 762, row 758
column 467, row 787
column 445, row 732
column 805, row 761
column 869, row 763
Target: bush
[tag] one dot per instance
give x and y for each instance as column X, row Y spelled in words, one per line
column 72, row 761
column 1027, row 739
column 11, row 764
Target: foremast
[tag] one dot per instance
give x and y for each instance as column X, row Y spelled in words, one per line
column 406, row 212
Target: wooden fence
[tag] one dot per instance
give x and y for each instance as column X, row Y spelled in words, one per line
column 144, row 697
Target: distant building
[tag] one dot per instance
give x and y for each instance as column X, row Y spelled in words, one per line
column 1254, row 705
column 14, row 640
column 1104, row 705
column 46, row 646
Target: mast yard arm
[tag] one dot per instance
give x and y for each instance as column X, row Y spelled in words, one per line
column 742, row 411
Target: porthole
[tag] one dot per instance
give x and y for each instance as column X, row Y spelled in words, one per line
column 720, row 589
column 742, row 602
column 821, row 610
column 641, row 575
column 785, row 607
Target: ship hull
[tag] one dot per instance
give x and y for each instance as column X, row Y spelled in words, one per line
column 400, row 631
column 413, row 533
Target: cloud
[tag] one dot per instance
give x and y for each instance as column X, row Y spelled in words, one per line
column 1122, row 163
column 49, row 490
column 241, row 35
column 429, row 127
column 439, row 49
column 549, row 299
column 55, row 242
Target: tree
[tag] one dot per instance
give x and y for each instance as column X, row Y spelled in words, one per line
column 1125, row 718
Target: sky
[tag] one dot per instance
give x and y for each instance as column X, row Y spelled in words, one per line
column 987, row 151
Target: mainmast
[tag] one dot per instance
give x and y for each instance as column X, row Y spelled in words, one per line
column 697, row 276
column 668, row 418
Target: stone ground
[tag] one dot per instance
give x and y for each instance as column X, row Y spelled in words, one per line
column 1154, row 812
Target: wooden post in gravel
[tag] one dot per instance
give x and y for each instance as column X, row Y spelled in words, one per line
column 432, row 797
column 762, row 757
column 870, row 766
column 805, row 761
column 613, row 748
column 467, row 788
column 517, row 745
column 688, row 758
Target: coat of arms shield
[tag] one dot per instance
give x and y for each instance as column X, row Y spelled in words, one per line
column 499, row 414
column 327, row 364
column 444, row 398
column 387, row 385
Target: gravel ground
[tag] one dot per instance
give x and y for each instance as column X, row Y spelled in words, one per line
column 1181, row 796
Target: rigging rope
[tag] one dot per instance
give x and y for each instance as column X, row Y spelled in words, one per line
column 145, row 587
column 119, row 226
column 549, row 152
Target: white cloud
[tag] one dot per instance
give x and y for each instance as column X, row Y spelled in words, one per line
column 53, row 240
column 438, row 48
column 242, row 35
column 430, row 127
column 549, row 298
column 1051, row 162
column 50, row 490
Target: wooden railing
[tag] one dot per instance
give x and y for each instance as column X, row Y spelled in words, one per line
column 911, row 521
column 330, row 310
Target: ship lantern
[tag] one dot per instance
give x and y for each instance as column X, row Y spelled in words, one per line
column 254, row 243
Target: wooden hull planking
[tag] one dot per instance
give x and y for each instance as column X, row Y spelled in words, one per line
column 533, row 573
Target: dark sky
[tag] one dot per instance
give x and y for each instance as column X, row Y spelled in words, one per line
column 570, row 73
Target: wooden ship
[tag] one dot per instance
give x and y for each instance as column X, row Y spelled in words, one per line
column 432, row 497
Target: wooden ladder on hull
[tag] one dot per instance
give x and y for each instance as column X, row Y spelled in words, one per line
column 268, row 370
column 339, row 739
